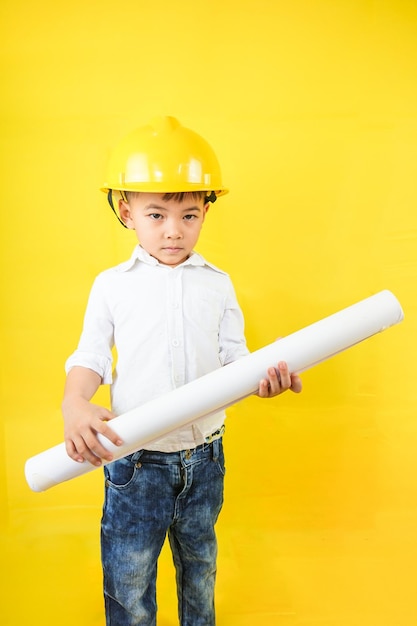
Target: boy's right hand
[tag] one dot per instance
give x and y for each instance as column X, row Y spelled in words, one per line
column 83, row 421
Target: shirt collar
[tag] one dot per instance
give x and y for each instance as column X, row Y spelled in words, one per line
column 141, row 255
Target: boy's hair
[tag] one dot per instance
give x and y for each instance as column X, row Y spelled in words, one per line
column 177, row 196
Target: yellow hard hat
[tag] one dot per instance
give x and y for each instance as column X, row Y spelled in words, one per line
column 164, row 157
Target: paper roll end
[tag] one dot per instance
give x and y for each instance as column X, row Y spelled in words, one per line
column 399, row 309
column 36, row 481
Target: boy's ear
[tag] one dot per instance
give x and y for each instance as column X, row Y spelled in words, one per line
column 206, row 208
column 124, row 212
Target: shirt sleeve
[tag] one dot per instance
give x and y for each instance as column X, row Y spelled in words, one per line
column 231, row 334
column 94, row 350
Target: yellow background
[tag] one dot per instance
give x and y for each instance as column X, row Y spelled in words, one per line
column 311, row 107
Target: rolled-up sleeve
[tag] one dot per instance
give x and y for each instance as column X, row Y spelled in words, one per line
column 94, row 350
column 231, row 334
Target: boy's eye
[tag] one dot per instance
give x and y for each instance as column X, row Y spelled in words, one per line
column 155, row 216
column 190, row 217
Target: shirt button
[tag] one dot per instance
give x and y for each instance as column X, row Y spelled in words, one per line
column 175, row 343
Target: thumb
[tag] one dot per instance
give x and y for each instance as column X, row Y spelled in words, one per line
column 107, row 415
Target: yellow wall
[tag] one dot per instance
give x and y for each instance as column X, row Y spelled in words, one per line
column 311, row 106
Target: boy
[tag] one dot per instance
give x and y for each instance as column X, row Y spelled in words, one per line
column 173, row 317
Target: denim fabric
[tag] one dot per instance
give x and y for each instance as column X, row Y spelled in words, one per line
column 147, row 495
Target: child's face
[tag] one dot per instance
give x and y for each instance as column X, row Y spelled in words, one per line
column 167, row 229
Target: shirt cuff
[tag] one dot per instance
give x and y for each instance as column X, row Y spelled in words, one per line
column 96, row 362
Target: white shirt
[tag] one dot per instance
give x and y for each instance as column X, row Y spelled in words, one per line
column 168, row 326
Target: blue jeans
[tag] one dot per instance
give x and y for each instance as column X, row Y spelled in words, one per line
column 147, row 495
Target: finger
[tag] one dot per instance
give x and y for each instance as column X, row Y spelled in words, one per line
column 285, row 377
column 96, row 451
column 106, row 415
column 263, row 390
column 296, row 383
column 72, row 451
column 274, row 380
column 84, row 447
column 90, row 447
column 109, row 433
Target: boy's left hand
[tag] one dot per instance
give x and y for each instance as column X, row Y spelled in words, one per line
column 279, row 380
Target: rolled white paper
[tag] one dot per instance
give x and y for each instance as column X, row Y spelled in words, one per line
column 226, row 386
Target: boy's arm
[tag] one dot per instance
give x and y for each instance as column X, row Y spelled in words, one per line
column 279, row 380
column 84, row 420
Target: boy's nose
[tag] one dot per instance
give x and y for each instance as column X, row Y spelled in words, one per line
column 173, row 230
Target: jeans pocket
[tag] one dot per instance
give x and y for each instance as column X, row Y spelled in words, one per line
column 122, row 474
column 219, row 462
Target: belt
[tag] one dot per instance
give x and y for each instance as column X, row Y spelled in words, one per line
column 216, row 435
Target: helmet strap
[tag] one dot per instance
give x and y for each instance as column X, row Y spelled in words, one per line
column 110, row 201
column 211, row 198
